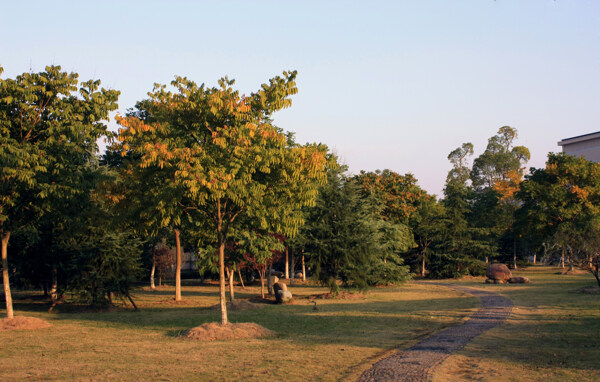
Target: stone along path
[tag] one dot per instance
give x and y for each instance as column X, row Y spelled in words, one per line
column 417, row 363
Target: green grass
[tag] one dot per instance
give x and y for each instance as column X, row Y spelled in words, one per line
column 334, row 343
column 553, row 333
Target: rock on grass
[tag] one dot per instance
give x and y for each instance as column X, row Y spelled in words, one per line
column 213, row 331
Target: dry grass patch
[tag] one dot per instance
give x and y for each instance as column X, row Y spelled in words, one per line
column 217, row 332
column 553, row 333
column 335, row 343
column 22, row 323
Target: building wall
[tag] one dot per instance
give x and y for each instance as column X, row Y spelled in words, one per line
column 590, row 149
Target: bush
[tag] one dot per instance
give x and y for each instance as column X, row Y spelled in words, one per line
column 444, row 266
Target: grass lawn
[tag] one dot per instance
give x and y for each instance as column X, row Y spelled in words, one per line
column 337, row 342
column 553, row 333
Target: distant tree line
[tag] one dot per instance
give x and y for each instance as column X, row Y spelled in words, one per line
column 205, row 168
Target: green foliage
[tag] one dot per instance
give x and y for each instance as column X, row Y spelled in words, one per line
column 102, row 263
column 218, row 163
column 561, row 204
column 48, row 134
column 499, row 159
column 347, row 241
column 443, row 266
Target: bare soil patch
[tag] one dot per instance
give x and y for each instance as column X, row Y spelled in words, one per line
column 22, row 323
column 590, row 290
column 239, row 305
column 216, row 332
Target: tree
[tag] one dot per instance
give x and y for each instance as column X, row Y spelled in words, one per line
column 500, row 160
column 428, row 227
column 561, row 203
column 399, row 195
column 346, row 241
column 227, row 158
column 460, row 242
column 496, row 175
column 48, row 132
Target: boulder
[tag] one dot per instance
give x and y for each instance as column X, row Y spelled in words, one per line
column 299, row 275
column 281, row 293
column 498, row 272
column 489, row 281
column 283, row 296
column 518, row 280
column 279, row 286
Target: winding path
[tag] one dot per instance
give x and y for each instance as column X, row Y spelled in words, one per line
column 416, row 363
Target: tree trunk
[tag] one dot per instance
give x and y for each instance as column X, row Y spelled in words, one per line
column 595, row 270
column 152, row 275
column 423, row 266
column 230, row 275
column 269, row 280
column 222, row 298
column 8, row 297
column 160, row 280
column 487, row 260
column 515, row 253
column 562, row 258
column 261, row 274
column 571, row 266
column 241, row 279
column 534, row 258
column 293, row 269
column 303, row 269
column 54, row 288
column 135, row 308
column 287, row 273
column 178, row 267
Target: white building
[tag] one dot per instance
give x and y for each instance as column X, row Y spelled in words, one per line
column 587, row 146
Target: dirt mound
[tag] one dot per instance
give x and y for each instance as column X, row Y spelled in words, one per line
column 238, row 305
column 22, row 323
column 217, row 332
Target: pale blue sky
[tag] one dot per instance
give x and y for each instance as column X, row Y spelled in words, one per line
column 386, row 84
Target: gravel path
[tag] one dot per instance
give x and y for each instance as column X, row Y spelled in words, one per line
column 417, row 363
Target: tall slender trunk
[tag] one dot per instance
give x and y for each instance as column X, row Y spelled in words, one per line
column 270, row 280
column 221, row 242
column 230, row 275
column 152, row 275
column 287, row 265
column 423, row 266
column 9, row 305
column 293, row 269
column 562, row 258
column 303, row 269
column 54, row 288
column 178, row 267
column 487, row 260
column 534, row 257
column 261, row 274
column 241, row 279
column 515, row 253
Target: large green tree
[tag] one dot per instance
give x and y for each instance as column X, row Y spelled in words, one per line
column 226, row 157
column 561, row 204
column 346, row 240
column 49, row 125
